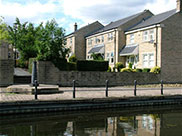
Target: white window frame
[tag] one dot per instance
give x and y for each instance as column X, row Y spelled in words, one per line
column 71, row 40
column 132, row 38
column 150, row 63
column 145, row 35
column 151, row 34
column 110, row 36
column 110, row 57
column 102, row 38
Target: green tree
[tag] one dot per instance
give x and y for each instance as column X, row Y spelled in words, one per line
column 3, row 30
column 23, row 37
column 51, row 42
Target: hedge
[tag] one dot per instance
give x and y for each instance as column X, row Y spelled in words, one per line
column 71, row 66
column 146, row 70
column 92, row 65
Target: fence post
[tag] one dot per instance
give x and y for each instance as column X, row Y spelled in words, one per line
column 35, row 92
column 135, row 84
column 161, row 87
column 107, row 82
column 74, row 88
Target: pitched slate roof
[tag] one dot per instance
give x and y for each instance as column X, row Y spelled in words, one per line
column 156, row 19
column 83, row 28
column 118, row 23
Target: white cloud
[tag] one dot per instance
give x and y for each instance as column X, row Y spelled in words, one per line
column 159, row 6
column 111, row 10
column 26, row 11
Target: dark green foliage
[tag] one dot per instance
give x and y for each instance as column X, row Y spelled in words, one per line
column 30, row 64
column 61, row 64
column 109, row 69
column 71, row 66
column 91, row 65
column 146, row 70
column 138, row 70
column 72, row 58
column 97, row 56
column 119, row 66
column 21, row 63
column 130, row 65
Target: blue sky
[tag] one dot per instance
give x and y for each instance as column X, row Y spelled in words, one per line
column 67, row 12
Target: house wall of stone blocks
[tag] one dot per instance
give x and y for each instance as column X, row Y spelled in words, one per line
column 146, row 47
column 6, row 72
column 49, row 74
column 171, row 51
column 6, row 65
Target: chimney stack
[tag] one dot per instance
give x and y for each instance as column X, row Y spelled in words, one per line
column 179, row 6
column 75, row 27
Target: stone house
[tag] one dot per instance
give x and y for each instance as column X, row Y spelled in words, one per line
column 109, row 40
column 76, row 40
column 157, row 41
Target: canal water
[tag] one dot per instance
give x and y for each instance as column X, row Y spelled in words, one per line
column 158, row 121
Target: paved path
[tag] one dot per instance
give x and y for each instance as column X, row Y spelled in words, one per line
column 84, row 93
column 21, row 72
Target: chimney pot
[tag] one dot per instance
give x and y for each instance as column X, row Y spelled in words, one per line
column 75, row 27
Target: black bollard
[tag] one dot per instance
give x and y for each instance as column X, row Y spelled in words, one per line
column 74, row 88
column 35, row 92
column 135, row 84
column 34, row 73
column 161, row 87
column 107, row 82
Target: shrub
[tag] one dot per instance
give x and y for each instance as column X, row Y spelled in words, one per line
column 126, row 70
column 138, row 70
column 109, row 69
column 61, row 64
column 30, row 64
column 155, row 70
column 119, row 66
column 146, row 70
column 72, row 58
column 92, row 65
column 21, row 63
column 71, row 66
column 130, row 65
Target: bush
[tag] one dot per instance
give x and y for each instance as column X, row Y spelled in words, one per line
column 92, row 65
column 146, row 70
column 61, row 64
column 21, row 63
column 71, row 66
column 72, row 58
column 130, row 65
column 109, row 69
column 155, row 70
column 126, row 70
column 138, row 70
column 30, row 64
column 119, row 66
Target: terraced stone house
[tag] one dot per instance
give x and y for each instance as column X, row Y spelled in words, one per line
column 157, row 41
column 109, row 40
column 76, row 40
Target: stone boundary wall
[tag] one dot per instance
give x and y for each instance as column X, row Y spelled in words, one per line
column 49, row 74
column 6, row 72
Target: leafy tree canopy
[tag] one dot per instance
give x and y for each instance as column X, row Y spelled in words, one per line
column 3, row 30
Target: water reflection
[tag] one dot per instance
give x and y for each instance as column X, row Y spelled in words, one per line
column 94, row 124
